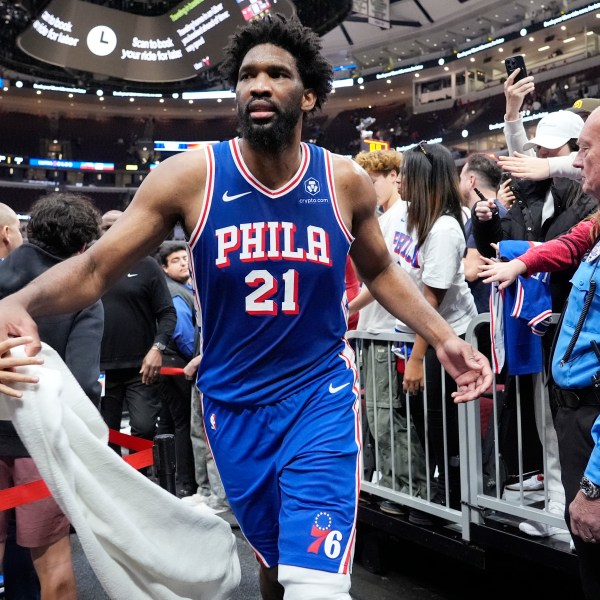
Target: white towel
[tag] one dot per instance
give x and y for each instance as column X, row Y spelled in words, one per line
column 142, row 542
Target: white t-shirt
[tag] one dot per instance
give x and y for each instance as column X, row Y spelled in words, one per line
column 439, row 264
column 373, row 317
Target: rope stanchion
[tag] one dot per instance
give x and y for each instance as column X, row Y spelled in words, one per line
column 165, row 461
column 38, row 490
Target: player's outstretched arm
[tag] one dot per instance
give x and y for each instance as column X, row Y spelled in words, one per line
column 170, row 193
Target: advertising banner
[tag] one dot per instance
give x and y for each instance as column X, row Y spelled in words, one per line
column 170, row 47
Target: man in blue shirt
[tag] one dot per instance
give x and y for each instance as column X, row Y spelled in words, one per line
column 175, row 390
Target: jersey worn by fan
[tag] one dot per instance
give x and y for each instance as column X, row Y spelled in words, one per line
column 269, row 271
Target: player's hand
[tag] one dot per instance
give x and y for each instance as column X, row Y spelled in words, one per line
column 525, row 166
column 15, row 321
column 467, row 366
column 503, row 272
column 8, row 365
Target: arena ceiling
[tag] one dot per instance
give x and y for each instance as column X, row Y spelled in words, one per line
column 420, row 30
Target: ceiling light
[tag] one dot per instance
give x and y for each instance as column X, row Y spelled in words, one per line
column 19, row 84
column 523, row 32
column 543, row 48
column 571, row 39
column 441, row 61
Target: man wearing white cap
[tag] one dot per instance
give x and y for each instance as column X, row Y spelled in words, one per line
column 543, row 210
column 525, row 164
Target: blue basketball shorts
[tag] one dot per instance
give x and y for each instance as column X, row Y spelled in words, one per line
column 291, row 472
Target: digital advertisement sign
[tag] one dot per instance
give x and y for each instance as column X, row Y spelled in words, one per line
column 170, row 47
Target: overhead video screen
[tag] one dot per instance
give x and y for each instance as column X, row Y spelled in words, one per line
column 171, row 47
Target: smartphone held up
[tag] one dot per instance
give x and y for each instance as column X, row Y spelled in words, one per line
column 512, row 63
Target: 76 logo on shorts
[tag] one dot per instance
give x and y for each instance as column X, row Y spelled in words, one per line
column 325, row 536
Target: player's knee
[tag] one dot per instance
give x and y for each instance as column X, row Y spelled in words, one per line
column 308, row 584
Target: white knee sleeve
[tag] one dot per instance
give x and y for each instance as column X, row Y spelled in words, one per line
column 309, row 584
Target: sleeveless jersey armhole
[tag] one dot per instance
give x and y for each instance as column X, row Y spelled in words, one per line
column 207, row 197
column 334, row 201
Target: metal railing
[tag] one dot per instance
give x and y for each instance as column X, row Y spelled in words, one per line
column 480, row 494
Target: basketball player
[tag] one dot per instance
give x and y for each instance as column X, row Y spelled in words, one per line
column 270, row 221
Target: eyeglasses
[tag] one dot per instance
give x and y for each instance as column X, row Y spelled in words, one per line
column 420, row 147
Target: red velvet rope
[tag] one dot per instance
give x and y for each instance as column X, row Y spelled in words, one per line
column 37, row 490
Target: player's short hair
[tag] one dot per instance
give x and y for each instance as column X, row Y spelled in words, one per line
column 300, row 41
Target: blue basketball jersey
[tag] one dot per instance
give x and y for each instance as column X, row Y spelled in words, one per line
column 520, row 316
column 269, row 267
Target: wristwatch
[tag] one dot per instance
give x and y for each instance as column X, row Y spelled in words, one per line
column 589, row 488
column 160, row 347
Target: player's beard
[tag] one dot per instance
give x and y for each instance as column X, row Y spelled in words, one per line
column 273, row 136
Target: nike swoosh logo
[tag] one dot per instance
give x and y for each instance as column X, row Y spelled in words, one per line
column 335, row 390
column 132, row 274
column 228, row 198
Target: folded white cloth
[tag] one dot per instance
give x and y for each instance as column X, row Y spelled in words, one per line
column 142, row 542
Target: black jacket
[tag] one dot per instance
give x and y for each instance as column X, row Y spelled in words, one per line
column 524, row 222
column 75, row 336
column 138, row 311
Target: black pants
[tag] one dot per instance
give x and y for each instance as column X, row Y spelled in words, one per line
column 437, row 404
column 124, row 387
column 575, row 444
column 175, row 417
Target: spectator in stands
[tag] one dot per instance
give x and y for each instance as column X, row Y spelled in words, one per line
column 385, row 424
column 61, row 226
column 575, row 361
column 432, row 251
column 542, row 211
column 139, row 322
column 479, row 177
column 176, row 390
column 10, row 231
